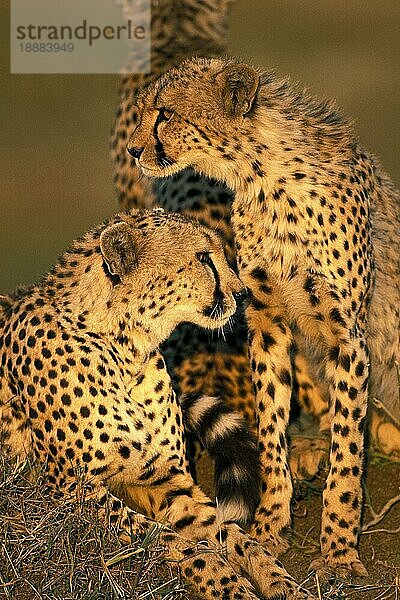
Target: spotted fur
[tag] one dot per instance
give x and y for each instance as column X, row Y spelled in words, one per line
column 181, row 29
column 85, row 393
column 198, row 363
column 316, row 223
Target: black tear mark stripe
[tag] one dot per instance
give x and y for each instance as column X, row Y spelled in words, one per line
column 163, row 160
column 217, row 290
column 218, row 295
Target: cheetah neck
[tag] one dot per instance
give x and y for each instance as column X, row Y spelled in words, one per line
column 281, row 148
column 87, row 301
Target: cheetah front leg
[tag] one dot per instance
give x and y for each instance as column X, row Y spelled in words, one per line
column 203, row 568
column 190, row 512
column 270, row 346
column 348, row 370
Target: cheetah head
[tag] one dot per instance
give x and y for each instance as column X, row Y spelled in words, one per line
column 196, row 115
column 165, row 269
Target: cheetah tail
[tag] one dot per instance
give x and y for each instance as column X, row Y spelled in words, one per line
column 227, row 439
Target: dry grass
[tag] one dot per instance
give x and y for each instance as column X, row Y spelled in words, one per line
column 54, row 552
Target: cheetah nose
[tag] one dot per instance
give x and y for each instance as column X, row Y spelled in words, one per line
column 240, row 295
column 135, row 152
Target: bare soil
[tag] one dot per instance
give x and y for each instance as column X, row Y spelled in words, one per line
column 379, row 548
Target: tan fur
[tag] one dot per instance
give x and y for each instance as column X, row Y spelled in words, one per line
column 316, row 225
column 179, row 30
column 85, row 392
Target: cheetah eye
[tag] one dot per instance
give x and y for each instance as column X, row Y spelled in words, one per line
column 204, row 258
column 165, row 114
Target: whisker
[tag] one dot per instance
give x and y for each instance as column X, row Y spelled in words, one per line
column 162, row 183
column 140, row 175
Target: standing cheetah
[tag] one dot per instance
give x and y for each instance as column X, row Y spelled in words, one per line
column 198, row 362
column 316, row 224
column 85, row 392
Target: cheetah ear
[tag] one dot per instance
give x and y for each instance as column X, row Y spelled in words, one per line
column 119, row 248
column 239, row 84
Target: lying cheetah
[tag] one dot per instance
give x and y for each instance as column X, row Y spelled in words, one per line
column 85, row 392
column 198, row 363
column 316, row 223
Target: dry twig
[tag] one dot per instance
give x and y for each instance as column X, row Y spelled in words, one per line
column 378, row 517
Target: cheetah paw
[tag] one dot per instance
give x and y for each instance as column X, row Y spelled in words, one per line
column 289, row 593
column 306, row 457
column 386, row 437
column 327, row 570
column 275, row 544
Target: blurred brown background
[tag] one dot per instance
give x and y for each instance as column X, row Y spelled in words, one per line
column 55, row 170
